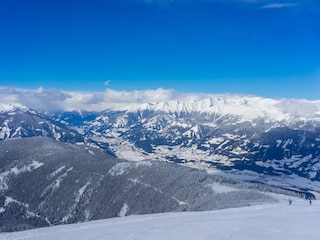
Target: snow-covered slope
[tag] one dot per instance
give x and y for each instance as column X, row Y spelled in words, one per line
column 278, row 221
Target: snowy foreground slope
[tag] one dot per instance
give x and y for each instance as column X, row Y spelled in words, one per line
column 264, row 222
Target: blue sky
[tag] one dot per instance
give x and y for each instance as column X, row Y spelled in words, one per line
column 260, row 47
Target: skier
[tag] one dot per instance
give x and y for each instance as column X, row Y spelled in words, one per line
column 310, row 202
column 290, row 201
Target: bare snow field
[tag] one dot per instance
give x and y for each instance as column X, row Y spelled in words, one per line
column 264, row 222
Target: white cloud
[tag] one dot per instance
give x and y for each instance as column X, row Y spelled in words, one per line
column 280, row 5
column 52, row 100
column 117, row 99
column 139, row 96
column 106, row 83
column 8, row 95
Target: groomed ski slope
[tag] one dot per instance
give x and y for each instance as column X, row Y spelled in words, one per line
column 265, row 222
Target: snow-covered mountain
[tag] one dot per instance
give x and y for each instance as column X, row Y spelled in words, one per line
column 274, row 141
column 247, row 108
column 264, row 140
column 20, row 121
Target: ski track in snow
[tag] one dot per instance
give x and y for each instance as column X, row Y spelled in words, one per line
column 264, row 222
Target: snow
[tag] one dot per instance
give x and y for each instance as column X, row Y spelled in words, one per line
column 91, row 152
column 17, row 132
column 123, row 149
column 123, row 168
column 5, row 130
column 288, row 141
column 292, row 181
column 136, row 181
column 5, row 107
column 296, row 164
column 124, row 210
column 119, row 169
column 216, row 140
column 56, row 172
column 238, row 151
column 15, row 170
column 230, row 136
column 146, row 185
column 179, row 201
column 9, row 200
column 264, row 222
column 279, row 142
column 247, row 108
column 56, row 183
column 73, row 207
column 194, row 132
column 221, row 188
column 81, row 191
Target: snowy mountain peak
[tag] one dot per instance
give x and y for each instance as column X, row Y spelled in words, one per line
column 7, row 107
column 246, row 108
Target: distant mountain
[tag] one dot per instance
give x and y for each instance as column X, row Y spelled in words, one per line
column 44, row 182
column 262, row 140
column 273, row 141
column 20, row 121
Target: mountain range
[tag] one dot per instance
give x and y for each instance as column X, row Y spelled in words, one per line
column 263, row 141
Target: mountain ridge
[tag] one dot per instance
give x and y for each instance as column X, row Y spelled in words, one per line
column 248, row 107
column 44, row 182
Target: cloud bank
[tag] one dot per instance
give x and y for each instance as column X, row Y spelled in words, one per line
column 54, row 100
